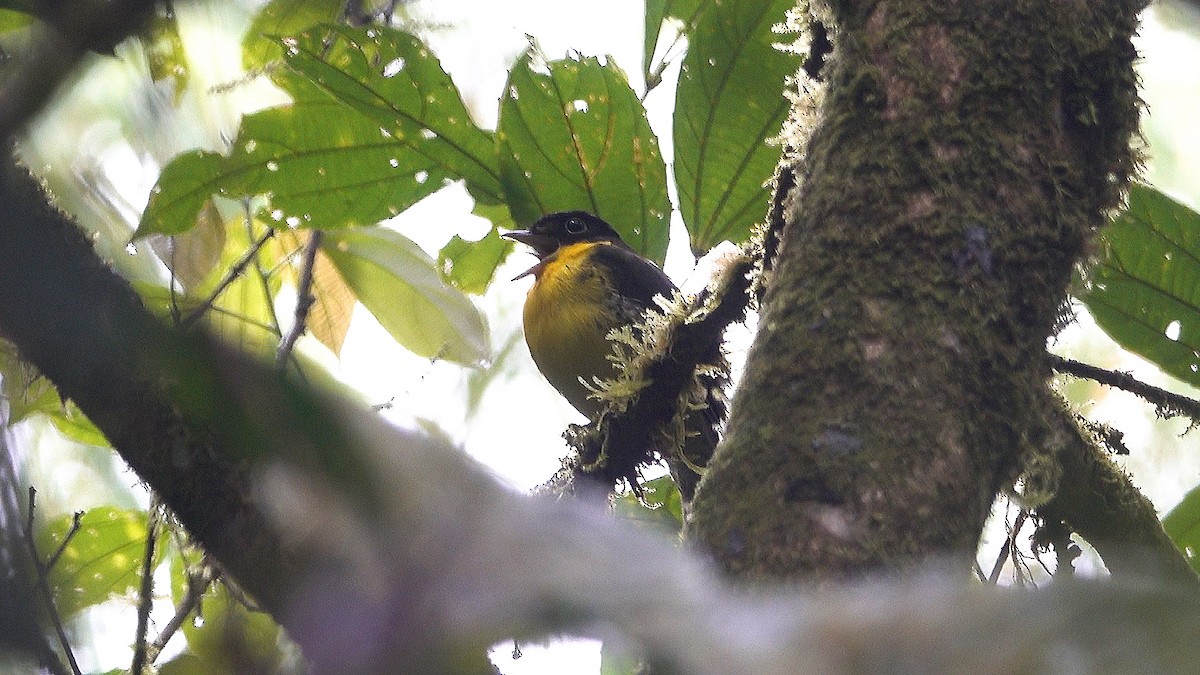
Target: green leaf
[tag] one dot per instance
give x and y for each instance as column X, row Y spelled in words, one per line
column 661, row 505
column 186, row 664
column 729, row 102
column 184, row 187
column 391, row 78
column 499, row 215
column 70, row 421
column 573, row 135
column 193, row 255
column 1182, row 525
column 283, row 17
column 165, row 53
column 24, row 389
column 27, row 394
column 102, row 560
column 231, row 636
column 321, row 163
column 226, row 626
column 470, row 265
column 398, row 283
column 1145, row 291
column 658, row 11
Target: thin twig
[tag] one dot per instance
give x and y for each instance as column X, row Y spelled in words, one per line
column 1008, row 549
column 145, row 593
column 44, row 587
column 75, row 523
column 197, row 584
column 263, row 279
column 998, row 566
column 234, row 272
column 1169, row 404
column 240, row 596
column 304, row 299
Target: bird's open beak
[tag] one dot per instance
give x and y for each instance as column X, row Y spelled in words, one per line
column 542, row 245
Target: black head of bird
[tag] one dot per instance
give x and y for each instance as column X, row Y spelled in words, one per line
column 562, row 229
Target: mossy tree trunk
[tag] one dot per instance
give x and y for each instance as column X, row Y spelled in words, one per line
column 964, row 155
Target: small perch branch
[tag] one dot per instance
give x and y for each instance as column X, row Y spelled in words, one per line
column 145, row 593
column 197, row 583
column 75, row 523
column 234, row 272
column 624, row 441
column 44, row 586
column 1099, row 502
column 304, row 299
column 1169, row 404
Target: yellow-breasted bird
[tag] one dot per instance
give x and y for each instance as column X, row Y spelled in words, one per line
column 587, row 282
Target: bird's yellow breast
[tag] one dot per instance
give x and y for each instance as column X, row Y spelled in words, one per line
column 568, row 314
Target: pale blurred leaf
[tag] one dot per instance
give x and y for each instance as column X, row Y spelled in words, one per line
column 399, row 284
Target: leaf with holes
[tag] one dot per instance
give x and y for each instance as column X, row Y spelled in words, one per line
column 320, row 163
column 470, row 265
column 260, row 46
column 573, row 135
column 1145, row 290
column 392, row 79
column 184, row 188
column 729, row 103
column 399, row 284
column 102, row 560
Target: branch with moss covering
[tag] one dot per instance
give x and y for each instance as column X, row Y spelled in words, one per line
column 1168, row 404
column 660, row 363
column 1100, row 503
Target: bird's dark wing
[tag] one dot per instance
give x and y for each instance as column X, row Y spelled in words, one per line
column 637, row 283
column 635, row 279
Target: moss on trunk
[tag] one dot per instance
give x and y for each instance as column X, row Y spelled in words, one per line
column 963, row 157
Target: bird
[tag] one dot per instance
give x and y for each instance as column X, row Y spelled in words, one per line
column 588, row 282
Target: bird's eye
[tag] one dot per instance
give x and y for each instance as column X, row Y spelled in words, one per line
column 575, row 226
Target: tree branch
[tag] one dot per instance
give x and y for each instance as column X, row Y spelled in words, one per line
column 44, row 587
column 235, row 271
column 1100, row 503
column 1169, row 404
column 145, row 593
column 620, row 442
column 304, row 299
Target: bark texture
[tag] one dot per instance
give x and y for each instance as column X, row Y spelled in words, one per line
column 964, row 155
column 173, row 405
